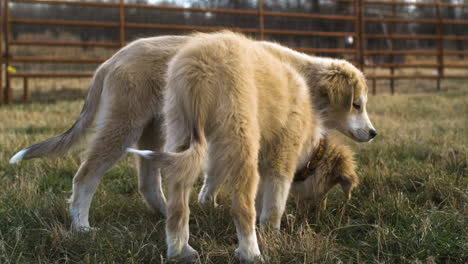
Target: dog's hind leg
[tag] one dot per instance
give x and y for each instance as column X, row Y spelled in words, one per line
column 149, row 176
column 179, row 186
column 243, row 206
column 237, row 158
column 107, row 147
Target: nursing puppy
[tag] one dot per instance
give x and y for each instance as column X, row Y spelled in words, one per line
column 255, row 108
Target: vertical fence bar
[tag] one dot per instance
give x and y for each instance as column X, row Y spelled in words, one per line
column 362, row 39
column 392, row 56
column 362, row 35
column 357, row 38
column 440, row 46
column 374, row 86
column 26, row 90
column 8, row 92
column 122, row 22
column 261, row 20
column 1, row 52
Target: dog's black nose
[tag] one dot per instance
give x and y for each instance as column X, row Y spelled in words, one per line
column 372, row 133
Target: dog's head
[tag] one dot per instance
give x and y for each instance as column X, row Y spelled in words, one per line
column 342, row 100
column 337, row 166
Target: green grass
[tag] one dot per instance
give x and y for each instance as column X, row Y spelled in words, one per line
column 409, row 207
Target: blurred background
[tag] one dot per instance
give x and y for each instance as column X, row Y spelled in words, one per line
column 50, row 48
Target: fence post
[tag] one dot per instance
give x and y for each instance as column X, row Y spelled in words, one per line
column 440, row 46
column 392, row 56
column 362, row 33
column 374, row 86
column 8, row 91
column 261, row 22
column 122, row 22
column 357, row 36
column 26, row 90
column 1, row 52
column 362, row 38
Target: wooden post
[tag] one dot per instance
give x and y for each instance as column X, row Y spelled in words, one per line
column 392, row 57
column 25, row 90
column 122, row 23
column 1, row 52
column 8, row 92
column 440, row 47
column 374, row 86
column 357, row 36
column 261, row 21
column 362, row 34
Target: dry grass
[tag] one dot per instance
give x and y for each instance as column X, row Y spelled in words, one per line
column 410, row 206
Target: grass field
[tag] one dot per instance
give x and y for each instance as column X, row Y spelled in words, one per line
column 410, row 206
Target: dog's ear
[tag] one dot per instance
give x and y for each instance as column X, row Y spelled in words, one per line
column 337, row 83
column 348, row 183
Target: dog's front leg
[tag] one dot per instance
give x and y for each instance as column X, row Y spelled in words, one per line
column 275, row 194
column 259, row 198
column 210, row 190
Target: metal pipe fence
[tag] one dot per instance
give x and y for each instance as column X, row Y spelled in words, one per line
column 357, row 17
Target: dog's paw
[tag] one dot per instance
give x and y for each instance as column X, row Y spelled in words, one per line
column 84, row 229
column 248, row 257
column 188, row 255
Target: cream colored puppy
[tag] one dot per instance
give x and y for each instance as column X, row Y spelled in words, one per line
column 251, row 107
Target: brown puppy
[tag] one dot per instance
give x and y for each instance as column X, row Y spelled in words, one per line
column 331, row 164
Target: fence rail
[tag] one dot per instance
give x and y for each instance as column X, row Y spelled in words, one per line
column 357, row 17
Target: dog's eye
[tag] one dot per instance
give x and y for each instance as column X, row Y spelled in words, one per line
column 357, row 107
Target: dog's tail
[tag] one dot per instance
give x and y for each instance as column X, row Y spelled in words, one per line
column 61, row 144
column 186, row 164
